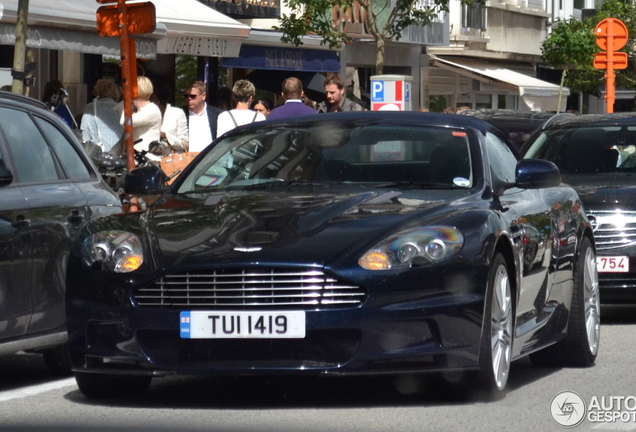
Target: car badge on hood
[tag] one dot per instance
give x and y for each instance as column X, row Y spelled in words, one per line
column 248, row 249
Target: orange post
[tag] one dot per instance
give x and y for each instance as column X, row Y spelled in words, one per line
column 611, row 35
column 123, row 20
column 127, row 57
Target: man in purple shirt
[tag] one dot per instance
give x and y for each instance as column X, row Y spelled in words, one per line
column 294, row 106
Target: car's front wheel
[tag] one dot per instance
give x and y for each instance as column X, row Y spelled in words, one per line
column 584, row 327
column 101, row 386
column 496, row 344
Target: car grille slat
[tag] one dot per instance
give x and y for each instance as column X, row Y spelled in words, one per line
column 613, row 229
column 250, row 289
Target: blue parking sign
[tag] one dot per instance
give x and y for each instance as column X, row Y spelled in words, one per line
column 377, row 91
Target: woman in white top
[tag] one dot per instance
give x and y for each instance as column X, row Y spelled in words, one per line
column 243, row 92
column 174, row 126
column 146, row 119
column 100, row 122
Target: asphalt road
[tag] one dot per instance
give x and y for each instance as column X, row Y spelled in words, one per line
column 32, row 399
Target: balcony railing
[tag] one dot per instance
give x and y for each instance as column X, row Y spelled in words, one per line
column 245, row 8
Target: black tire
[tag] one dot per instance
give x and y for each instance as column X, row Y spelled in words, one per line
column 102, row 386
column 58, row 360
column 580, row 347
column 495, row 354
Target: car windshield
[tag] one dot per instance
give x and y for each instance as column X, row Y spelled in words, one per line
column 587, row 150
column 269, row 156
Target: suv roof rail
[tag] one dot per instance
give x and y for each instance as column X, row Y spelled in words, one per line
column 21, row 98
column 555, row 117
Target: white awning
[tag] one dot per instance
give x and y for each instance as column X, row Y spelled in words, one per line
column 71, row 25
column 539, row 95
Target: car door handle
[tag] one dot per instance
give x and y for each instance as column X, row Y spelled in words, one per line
column 21, row 222
column 75, row 216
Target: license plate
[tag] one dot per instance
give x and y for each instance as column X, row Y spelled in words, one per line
column 612, row 264
column 238, row 325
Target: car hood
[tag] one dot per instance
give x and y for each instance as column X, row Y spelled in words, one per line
column 193, row 230
column 605, row 191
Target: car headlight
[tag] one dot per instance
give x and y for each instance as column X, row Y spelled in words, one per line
column 424, row 244
column 117, row 251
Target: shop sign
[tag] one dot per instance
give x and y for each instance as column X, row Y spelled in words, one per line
column 291, row 59
column 199, row 46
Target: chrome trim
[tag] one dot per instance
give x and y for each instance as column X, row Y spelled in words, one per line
column 250, row 289
column 613, row 229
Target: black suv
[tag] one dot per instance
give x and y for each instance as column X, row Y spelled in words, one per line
column 596, row 154
column 48, row 189
column 517, row 126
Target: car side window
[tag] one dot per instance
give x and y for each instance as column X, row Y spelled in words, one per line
column 72, row 163
column 503, row 162
column 32, row 156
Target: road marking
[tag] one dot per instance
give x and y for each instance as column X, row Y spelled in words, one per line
column 36, row 389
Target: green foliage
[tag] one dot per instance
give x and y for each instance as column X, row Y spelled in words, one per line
column 312, row 17
column 572, row 46
column 382, row 21
column 185, row 73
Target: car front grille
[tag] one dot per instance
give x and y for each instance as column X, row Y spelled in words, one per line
column 616, row 281
column 613, row 229
column 275, row 288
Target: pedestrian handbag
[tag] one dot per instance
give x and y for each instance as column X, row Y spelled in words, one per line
column 175, row 163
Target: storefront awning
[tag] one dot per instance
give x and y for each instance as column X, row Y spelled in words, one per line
column 195, row 29
column 539, row 95
column 79, row 41
column 183, row 27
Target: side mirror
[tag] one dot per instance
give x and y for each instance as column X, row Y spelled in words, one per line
column 536, row 173
column 6, row 176
column 146, row 180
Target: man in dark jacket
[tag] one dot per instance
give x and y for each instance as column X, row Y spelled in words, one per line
column 294, row 106
column 201, row 116
column 335, row 95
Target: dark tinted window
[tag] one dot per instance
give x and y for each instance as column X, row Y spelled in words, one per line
column 30, row 152
column 433, row 157
column 72, row 164
column 587, row 150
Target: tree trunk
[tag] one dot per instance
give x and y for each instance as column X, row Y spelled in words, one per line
column 379, row 59
column 565, row 72
column 19, row 54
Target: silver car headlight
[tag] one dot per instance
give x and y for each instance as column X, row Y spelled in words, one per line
column 428, row 244
column 117, row 251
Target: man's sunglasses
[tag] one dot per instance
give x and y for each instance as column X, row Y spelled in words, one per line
column 190, row 96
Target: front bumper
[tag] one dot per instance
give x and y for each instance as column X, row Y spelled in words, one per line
column 432, row 325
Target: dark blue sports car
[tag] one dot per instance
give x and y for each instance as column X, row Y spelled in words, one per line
column 349, row 243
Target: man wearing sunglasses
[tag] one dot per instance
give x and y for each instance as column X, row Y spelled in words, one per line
column 201, row 116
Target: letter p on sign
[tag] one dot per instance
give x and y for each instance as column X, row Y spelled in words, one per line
column 377, row 91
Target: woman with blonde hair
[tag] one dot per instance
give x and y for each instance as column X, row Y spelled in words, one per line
column 146, row 118
column 243, row 92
